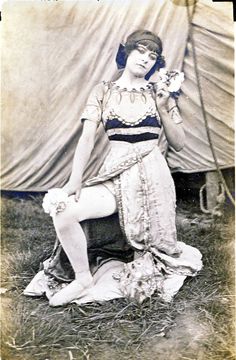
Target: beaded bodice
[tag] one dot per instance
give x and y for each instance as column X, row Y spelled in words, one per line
column 130, row 115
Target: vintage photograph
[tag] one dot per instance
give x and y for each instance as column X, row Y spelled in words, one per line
column 117, row 180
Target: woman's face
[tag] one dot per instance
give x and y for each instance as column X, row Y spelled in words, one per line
column 140, row 61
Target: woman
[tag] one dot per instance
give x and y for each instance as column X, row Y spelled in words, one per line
column 134, row 179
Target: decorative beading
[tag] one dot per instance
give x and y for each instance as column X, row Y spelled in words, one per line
column 113, row 115
column 117, row 183
column 146, row 217
column 111, row 84
column 135, row 131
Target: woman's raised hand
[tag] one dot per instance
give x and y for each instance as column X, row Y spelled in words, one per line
column 163, row 99
column 162, row 95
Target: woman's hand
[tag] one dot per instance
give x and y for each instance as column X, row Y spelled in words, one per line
column 163, row 99
column 162, row 96
column 71, row 189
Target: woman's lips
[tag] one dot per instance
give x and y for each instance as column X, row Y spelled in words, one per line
column 142, row 66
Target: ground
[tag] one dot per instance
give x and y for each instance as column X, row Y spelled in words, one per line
column 197, row 325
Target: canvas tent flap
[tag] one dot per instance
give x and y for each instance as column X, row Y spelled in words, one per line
column 214, row 47
column 55, row 52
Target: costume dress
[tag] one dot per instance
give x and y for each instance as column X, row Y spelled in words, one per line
column 136, row 172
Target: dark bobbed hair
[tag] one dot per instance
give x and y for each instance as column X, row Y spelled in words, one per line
column 146, row 38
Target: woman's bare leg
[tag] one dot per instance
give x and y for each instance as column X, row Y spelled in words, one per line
column 94, row 202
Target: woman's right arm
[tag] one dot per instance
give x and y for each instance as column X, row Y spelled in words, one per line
column 91, row 117
column 81, row 157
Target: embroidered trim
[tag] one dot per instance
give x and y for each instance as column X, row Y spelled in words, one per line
column 146, row 217
column 132, row 93
column 117, row 124
column 133, row 131
column 150, row 113
column 112, row 84
column 117, row 183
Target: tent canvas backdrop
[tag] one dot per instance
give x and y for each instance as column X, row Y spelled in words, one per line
column 56, row 51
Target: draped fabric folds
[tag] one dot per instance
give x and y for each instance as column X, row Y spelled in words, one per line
column 54, row 54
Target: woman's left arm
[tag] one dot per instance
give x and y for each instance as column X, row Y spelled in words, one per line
column 170, row 118
column 173, row 125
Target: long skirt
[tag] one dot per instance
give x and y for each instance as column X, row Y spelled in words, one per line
column 145, row 194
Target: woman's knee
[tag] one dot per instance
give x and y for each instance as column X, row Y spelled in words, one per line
column 71, row 214
column 93, row 203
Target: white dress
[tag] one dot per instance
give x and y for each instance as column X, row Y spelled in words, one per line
column 137, row 173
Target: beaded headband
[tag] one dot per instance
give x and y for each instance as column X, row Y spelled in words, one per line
column 140, row 37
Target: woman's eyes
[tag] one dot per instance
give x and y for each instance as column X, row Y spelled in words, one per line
column 141, row 50
column 151, row 55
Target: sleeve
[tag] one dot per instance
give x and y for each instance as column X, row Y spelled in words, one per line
column 93, row 107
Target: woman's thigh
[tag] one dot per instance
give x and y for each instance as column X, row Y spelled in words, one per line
column 94, row 202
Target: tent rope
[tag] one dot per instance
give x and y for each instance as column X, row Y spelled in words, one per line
column 195, row 62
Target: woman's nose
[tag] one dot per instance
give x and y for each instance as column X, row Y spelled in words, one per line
column 145, row 58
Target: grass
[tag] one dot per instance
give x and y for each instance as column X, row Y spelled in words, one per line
column 197, row 325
